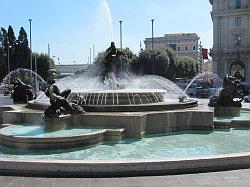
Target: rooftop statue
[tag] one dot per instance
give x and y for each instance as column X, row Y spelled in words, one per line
column 22, row 93
column 59, row 104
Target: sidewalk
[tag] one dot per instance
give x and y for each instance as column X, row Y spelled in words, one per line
column 224, row 179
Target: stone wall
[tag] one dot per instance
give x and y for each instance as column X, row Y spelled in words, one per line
column 136, row 125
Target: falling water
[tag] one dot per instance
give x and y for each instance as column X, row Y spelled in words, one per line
column 217, row 81
column 130, row 84
column 24, row 75
column 107, row 14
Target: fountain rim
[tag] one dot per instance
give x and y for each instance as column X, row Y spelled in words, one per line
column 124, row 168
column 162, row 106
column 120, row 91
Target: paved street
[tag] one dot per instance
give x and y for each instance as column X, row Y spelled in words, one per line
column 225, row 179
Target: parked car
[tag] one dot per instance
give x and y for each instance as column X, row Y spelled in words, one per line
column 202, row 92
column 247, row 98
column 214, row 91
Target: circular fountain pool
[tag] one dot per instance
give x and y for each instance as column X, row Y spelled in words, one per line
column 185, row 144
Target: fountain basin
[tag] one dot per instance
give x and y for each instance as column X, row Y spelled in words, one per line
column 171, row 105
column 118, row 97
column 37, row 137
column 208, row 152
column 122, row 101
column 241, row 121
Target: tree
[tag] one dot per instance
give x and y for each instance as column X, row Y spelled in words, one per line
column 145, row 61
column 187, row 67
column 11, row 44
column 171, row 71
column 126, row 60
column 44, row 63
column 23, row 51
column 3, row 52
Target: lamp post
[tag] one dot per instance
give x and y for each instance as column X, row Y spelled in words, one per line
column 121, row 40
column 36, row 74
column 120, row 34
column 152, row 20
column 8, row 56
column 5, row 63
column 30, row 20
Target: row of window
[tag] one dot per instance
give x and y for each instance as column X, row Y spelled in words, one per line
column 164, row 42
column 179, row 48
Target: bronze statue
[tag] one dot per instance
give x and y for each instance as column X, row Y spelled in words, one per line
column 22, row 93
column 112, row 56
column 230, row 96
column 58, row 100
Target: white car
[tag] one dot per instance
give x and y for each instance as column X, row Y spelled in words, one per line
column 247, row 98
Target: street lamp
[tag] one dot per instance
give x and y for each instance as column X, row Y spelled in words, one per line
column 36, row 74
column 120, row 34
column 30, row 20
column 121, row 40
column 8, row 55
column 5, row 62
column 152, row 20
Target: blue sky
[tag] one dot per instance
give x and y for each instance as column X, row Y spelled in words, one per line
column 72, row 27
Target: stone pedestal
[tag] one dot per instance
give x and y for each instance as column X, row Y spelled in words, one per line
column 227, row 111
column 56, row 123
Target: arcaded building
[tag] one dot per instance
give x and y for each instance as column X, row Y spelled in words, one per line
column 231, row 38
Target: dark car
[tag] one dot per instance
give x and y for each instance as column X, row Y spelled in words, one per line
column 203, row 92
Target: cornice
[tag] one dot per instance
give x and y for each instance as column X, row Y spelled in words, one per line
column 231, row 12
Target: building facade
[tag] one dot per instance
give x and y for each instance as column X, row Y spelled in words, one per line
column 231, row 38
column 185, row 44
column 70, row 69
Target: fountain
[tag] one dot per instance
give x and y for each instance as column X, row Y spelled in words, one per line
column 208, row 77
column 150, row 108
column 19, row 84
column 134, row 97
column 25, row 75
column 165, row 131
column 139, row 93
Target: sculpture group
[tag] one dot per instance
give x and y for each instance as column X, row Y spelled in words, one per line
column 59, row 105
column 22, row 93
column 108, row 74
column 230, row 96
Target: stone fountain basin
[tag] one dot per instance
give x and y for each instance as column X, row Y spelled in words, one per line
column 123, row 168
column 122, row 101
column 162, row 106
column 118, row 97
column 58, row 142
